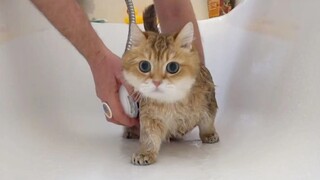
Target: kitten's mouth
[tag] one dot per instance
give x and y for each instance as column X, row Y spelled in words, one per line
column 157, row 90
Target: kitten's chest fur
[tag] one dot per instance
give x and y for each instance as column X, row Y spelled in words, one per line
column 182, row 116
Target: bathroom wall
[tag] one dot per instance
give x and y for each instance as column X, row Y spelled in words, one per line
column 19, row 18
column 115, row 10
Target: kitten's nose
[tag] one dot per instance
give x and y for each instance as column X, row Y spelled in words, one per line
column 156, row 83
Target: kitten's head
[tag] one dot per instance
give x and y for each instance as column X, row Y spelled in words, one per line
column 162, row 67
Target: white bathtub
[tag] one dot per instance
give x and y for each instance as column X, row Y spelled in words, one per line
column 265, row 60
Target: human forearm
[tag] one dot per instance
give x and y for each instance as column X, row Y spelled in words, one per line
column 173, row 15
column 68, row 17
column 71, row 21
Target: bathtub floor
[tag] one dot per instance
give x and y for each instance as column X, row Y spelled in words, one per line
column 88, row 148
column 266, row 66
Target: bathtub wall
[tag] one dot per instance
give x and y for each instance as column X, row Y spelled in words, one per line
column 239, row 1
column 264, row 58
column 18, row 18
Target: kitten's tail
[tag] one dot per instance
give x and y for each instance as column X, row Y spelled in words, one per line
column 150, row 19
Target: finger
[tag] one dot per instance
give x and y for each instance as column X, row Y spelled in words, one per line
column 112, row 120
column 130, row 124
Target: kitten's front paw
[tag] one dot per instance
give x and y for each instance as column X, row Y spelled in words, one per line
column 145, row 158
column 210, row 138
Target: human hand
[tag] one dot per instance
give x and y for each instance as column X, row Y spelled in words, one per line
column 108, row 78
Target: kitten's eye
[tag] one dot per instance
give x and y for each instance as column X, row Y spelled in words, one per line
column 144, row 66
column 173, row 67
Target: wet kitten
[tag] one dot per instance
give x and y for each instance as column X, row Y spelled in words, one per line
column 176, row 92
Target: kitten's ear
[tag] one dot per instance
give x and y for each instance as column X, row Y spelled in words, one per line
column 137, row 36
column 185, row 36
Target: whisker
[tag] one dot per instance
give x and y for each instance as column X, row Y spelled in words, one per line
column 135, row 95
column 138, row 97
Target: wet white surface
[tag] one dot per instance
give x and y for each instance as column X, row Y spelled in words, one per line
column 265, row 61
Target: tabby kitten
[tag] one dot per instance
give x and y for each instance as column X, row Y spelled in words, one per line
column 176, row 91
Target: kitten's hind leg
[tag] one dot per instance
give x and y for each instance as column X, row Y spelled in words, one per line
column 152, row 133
column 207, row 131
column 131, row 132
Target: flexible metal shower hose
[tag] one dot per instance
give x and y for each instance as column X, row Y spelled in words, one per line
column 132, row 19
